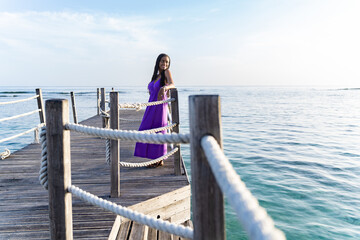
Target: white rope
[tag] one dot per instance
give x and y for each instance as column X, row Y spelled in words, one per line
column 145, row 164
column 130, row 120
column 20, row 115
column 104, row 114
column 43, row 177
column 20, row 134
column 136, row 136
column 155, row 130
column 5, row 154
column 21, row 100
column 138, row 106
column 152, row 222
column 253, row 218
column 108, row 160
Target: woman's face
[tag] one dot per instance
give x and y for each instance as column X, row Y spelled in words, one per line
column 164, row 63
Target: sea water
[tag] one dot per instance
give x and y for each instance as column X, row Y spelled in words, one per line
column 296, row 149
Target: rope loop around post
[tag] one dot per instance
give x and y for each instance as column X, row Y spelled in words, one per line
column 254, row 219
column 43, row 175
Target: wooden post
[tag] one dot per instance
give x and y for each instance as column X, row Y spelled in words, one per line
column 73, row 106
column 175, row 119
column 59, row 169
column 40, row 105
column 102, row 105
column 98, row 101
column 114, row 146
column 207, row 198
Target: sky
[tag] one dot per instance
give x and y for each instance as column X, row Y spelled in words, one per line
column 213, row 42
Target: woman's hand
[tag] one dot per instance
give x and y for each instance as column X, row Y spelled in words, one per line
column 162, row 93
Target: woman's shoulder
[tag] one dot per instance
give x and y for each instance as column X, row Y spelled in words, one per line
column 167, row 73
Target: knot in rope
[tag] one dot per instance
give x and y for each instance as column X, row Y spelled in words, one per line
column 5, row 154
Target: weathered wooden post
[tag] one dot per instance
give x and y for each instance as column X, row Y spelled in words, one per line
column 175, row 119
column 73, row 106
column 102, row 105
column 59, row 169
column 207, row 198
column 98, row 101
column 41, row 113
column 40, row 105
column 115, row 145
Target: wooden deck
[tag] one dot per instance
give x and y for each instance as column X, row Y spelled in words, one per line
column 154, row 191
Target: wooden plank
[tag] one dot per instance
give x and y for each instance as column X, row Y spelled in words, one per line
column 124, row 230
column 115, row 228
column 152, row 234
column 138, row 232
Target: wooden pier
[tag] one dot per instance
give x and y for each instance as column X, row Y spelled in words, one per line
column 24, row 203
column 78, row 161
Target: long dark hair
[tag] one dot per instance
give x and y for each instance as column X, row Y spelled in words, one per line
column 156, row 69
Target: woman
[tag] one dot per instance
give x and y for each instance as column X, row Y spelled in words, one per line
column 156, row 116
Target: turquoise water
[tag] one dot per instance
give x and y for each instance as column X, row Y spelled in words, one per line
column 297, row 149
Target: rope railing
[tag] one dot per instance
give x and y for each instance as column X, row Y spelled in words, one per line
column 136, row 136
column 148, row 163
column 20, row 115
column 150, row 221
column 138, row 106
column 254, row 219
column 20, row 100
column 21, row 134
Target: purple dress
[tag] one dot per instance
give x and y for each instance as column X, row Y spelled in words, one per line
column 154, row 117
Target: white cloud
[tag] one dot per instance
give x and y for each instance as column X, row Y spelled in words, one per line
column 61, row 45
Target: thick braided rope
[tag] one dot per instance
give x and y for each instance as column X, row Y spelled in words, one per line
column 20, row 115
column 20, row 134
column 108, row 160
column 145, row 164
column 254, row 219
column 159, row 224
column 136, row 136
column 155, row 130
column 138, row 106
column 21, row 100
column 5, row 154
column 43, row 176
column 130, row 120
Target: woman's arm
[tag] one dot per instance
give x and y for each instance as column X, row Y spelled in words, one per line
column 168, row 85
